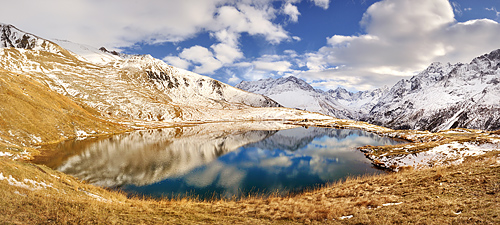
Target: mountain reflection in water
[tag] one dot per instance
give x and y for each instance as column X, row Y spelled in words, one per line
column 223, row 161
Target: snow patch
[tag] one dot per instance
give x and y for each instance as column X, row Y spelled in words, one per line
column 99, row 198
column 26, row 183
column 389, row 204
column 452, row 153
column 8, row 154
column 346, row 217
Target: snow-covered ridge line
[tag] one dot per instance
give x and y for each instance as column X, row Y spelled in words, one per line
column 441, row 97
column 293, row 92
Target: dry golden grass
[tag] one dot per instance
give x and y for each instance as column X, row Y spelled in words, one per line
column 34, row 114
column 465, row 193
column 67, row 200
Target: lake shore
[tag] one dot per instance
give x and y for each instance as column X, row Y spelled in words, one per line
column 464, row 192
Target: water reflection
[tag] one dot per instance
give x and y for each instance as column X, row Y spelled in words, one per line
column 222, row 160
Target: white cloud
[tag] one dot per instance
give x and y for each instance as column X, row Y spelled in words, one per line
column 292, row 11
column 233, row 79
column 402, row 38
column 296, row 38
column 118, row 23
column 457, row 8
column 493, row 9
column 394, row 19
column 226, row 53
column 259, row 23
column 279, row 66
column 322, row 3
column 203, row 58
column 112, row 23
column 272, row 63
column 177, row 62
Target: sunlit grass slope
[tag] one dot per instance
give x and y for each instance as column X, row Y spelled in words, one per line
column 32, row 114
column 458, row 194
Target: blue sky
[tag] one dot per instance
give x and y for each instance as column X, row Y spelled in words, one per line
column 355, row 44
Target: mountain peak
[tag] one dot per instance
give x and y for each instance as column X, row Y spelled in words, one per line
column 10, row 36
column 494, row 55
column 301, row 83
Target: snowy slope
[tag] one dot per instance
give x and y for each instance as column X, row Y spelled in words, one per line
column 292, row 92
column 445, row 96
column 296, row 93
column 89, row 53
column 360, row 103
column 135, row 88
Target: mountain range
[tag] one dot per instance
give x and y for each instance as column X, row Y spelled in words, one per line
column 441, row 97
column 56, row 89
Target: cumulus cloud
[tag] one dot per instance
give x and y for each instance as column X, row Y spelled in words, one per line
column 402, row 38
column 226, row 53
column 203, row 59
column 113, row 23
column 322, row 3
column 177, row 62
column 292, row 11
column 119, row 23
column 125, row 23
column 272, row 63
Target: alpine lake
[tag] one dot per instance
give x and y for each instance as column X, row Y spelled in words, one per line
column 216, row 160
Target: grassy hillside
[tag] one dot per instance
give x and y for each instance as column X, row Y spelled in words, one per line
column 466, row 193
column 32, row 114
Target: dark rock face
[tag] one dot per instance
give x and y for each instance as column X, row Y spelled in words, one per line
column 166, row 79
column 11, row 37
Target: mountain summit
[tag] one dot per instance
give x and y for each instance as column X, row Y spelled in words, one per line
column 293, row 92
column 12, row 37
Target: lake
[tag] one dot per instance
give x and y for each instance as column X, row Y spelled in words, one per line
column 221, row 160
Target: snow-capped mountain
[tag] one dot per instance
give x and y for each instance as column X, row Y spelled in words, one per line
column 121, row 89
column 361, row 102
column 441, row 97
column 134, row 87
column 293, row 92
column 445, row 96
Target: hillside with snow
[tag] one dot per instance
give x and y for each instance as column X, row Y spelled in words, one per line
column 293, row 92
column 441, row 97
column 132, row 90
column 445, row 96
